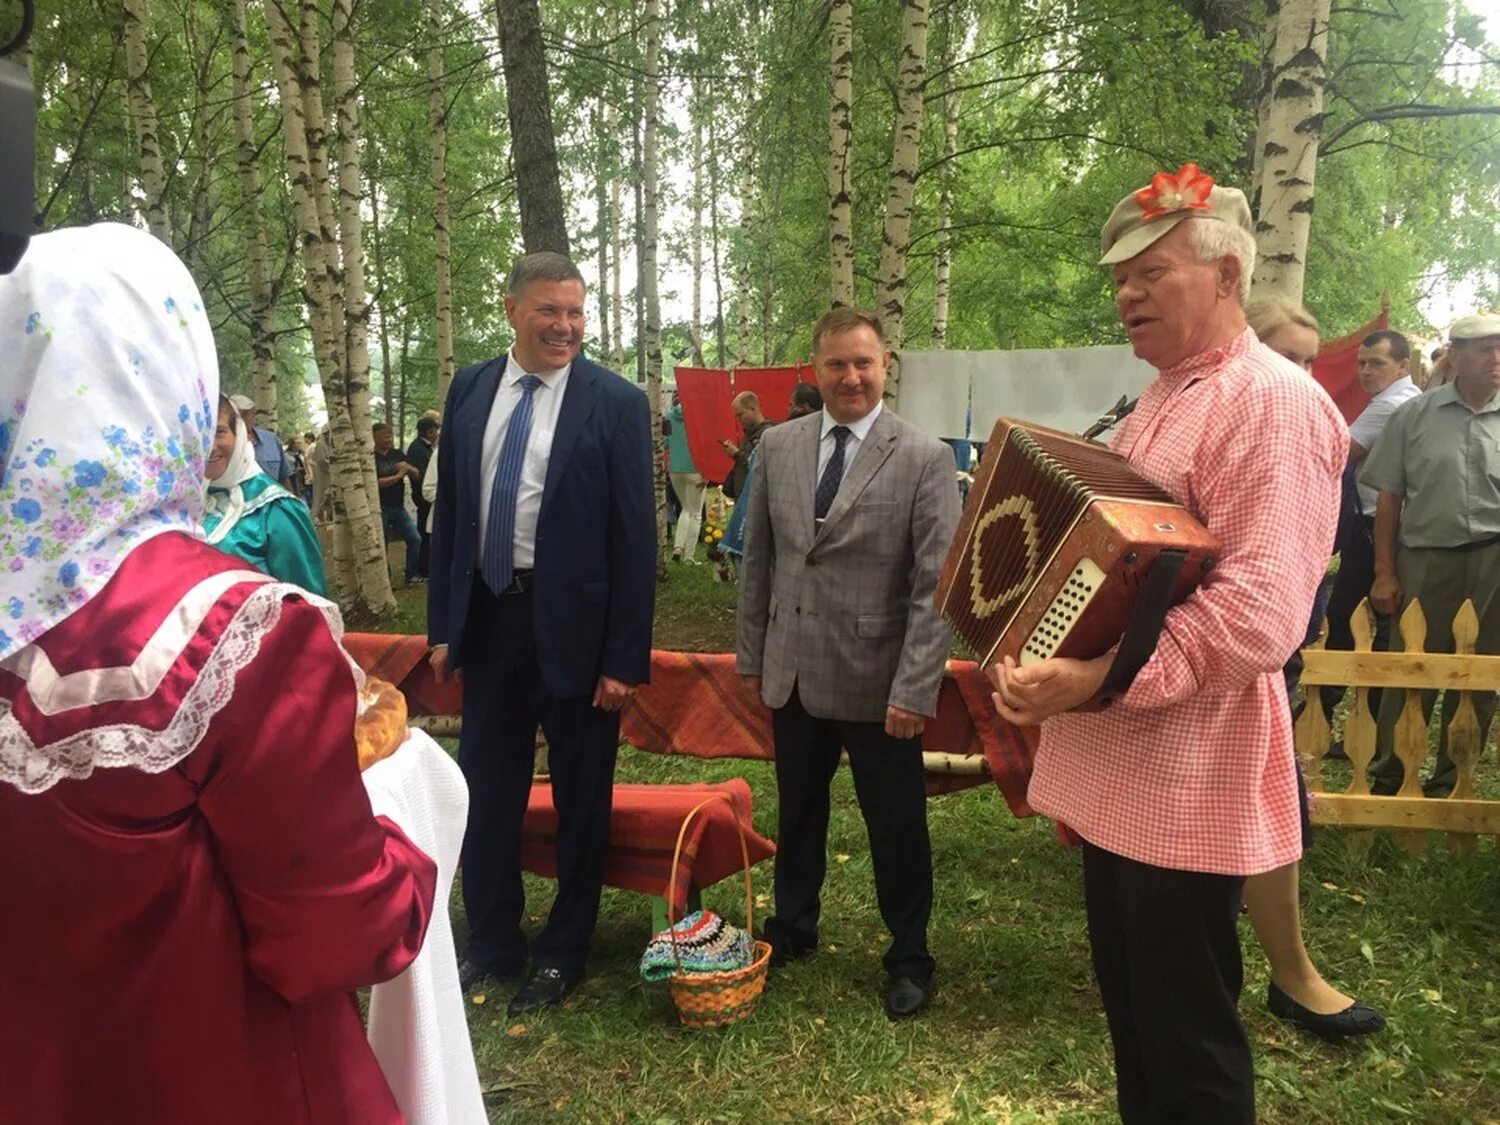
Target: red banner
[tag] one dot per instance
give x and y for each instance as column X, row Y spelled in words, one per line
column 708, row 419
column 707, row 415
column 1337, row 368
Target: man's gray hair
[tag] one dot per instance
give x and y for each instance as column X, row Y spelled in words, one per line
column 545, row 265
column 1213, row 241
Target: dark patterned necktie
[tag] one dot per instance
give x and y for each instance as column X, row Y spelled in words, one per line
column 500, row 526
column 828, row 484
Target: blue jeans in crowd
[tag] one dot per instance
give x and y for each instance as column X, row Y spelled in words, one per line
column 398, row 525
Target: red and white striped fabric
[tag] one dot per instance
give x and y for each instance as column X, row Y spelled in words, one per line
column 1192, row 768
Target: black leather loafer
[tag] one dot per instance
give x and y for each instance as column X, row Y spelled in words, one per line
column 906, row 997
column 470, row 974
column 545, row 988
column 1356, row 1019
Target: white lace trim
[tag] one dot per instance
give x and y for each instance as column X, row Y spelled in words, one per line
column 35, row 769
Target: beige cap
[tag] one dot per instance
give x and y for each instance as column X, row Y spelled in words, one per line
column 1475, row 327
column 242, row 402
column 1143, row 216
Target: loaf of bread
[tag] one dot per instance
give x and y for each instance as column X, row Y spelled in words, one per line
column 380, row 725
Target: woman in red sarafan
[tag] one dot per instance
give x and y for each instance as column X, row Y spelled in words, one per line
column 191, row 875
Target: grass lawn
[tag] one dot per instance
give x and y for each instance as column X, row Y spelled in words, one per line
column 1015, row 1032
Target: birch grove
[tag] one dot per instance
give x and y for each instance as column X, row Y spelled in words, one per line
column 153, row 177
column 890, row 284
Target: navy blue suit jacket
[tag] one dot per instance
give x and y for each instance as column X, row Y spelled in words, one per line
column 594, row 579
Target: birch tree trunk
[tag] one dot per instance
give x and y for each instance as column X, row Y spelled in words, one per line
column 695, row 324
column 890, row 284
column 544, row 219
column 742, row 279
column 316, row 294
column 310, row 86
column 649, row 173
column 617, row 290
column 1289, row 148
column 602, row 227
column 943, row 266
column 840, row 204
column 362, row 498
column 257, row 258
column 153, row 177
column 437, row 122
column 394, row 418
column 713, row 237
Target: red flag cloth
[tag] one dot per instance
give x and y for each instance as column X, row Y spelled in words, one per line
column 709, row 419
column 772, row 385
column 1337, row 368
column 643, row 826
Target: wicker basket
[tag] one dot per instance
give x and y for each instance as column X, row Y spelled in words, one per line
column 716, row 999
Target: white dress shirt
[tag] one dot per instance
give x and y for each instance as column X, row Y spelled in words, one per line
column 858, row 431
column 546, row 402
column 1371, row 421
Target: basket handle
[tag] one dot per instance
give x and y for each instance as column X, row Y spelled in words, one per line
column 672, row 918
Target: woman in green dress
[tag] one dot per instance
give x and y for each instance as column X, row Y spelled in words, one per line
column 252, row 517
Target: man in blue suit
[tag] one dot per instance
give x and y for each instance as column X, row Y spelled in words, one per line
column 543, row 579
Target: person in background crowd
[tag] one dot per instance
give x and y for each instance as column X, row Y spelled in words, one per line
column 419, row 456
column 251, row 516
column 1441, row 370
column 297, row 462
column 194, row 885
column 543, row 586
column 392, row 471
column 309, row 470
column 322, row 475
column 269, row 454
column 1273, row 898
column 806, row 399
column 1184, row 785
column 1437, row 529
column 850, row 517
column 687, row 483
column 747, row 413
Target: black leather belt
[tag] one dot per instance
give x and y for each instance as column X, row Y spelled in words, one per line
column 1478, row 544
column 520, row 583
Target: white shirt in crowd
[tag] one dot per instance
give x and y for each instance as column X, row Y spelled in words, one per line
column 858, row 431
column 1371, row 421
column 546, row 401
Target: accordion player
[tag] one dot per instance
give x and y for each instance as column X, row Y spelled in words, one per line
column 1064, row 550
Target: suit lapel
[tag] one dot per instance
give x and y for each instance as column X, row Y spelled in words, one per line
column 805, row 469
column 486, row 387
column 872, row 454
column 577, row 404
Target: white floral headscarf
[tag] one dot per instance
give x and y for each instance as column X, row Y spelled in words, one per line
column 107, row 373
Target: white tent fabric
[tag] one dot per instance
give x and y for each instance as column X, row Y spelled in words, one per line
column 1065, row 388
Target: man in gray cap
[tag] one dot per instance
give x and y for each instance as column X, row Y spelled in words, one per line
column 268, row 452
column 1185, row 784
column 1436, row 467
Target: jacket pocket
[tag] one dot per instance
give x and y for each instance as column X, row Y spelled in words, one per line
column 872, row 626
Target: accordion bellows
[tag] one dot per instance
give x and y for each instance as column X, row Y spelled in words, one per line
column 1056, row 541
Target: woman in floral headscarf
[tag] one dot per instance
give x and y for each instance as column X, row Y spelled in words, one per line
column 252, row 517
column 192, row 877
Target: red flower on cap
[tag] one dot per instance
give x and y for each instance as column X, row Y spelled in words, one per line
column 1186, row 191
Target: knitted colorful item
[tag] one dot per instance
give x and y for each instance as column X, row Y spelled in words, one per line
column 705, row 943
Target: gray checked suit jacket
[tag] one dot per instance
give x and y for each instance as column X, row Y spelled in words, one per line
column 844, row 610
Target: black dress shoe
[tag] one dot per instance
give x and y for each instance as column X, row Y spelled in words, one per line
column 471, row 973
column 1356, row 1019
column 905, row 997
column 784, row 953
column 545, row 988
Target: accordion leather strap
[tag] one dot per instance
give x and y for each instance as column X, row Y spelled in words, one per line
column 1146, row 618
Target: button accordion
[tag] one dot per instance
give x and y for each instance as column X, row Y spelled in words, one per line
column 1064, row 550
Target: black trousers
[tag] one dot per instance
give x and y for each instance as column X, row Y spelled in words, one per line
column 1351, row 585
column 504, row 701
column 888, row 781
column 423, row 507
column 1166, row 954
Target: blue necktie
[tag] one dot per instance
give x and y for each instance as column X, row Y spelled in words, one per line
column 833, row 475
column 500, row 530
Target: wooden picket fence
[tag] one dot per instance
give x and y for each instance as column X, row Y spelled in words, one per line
column 1462, row 815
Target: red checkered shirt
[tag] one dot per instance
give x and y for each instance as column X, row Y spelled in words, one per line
column 1192, row 767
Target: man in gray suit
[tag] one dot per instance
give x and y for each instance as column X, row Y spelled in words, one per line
column 849, row 521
